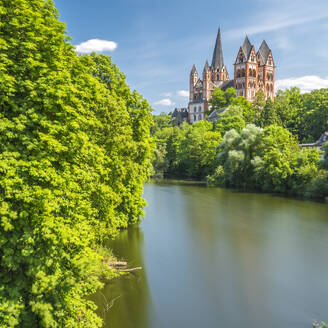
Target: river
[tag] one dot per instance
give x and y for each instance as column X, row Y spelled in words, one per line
column 219, row 258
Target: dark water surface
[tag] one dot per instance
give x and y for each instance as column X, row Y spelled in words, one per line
column 218, row 258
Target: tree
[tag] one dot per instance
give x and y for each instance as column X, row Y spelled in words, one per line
column 266, row 159
column 268, row 115
column 229, row 94
column 227, row 123
column 289, row 106
column 248, row 113
column 74, row 152
column 316, row 115
column 218, row 99
column 198, row 150
column 221, row 99
column 160, row 122
column 276, row 156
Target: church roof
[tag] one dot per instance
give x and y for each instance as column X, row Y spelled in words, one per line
column 214, row 116
column 264, row 52
column 227, row 84
column 206, row 67
column 180, row 111
column 193, row 70
column 247, row 47
column 217, row 60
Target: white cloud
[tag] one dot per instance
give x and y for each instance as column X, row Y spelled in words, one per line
column 305, row 83
column 164, row 102
column 96, row 45
column 183, row 93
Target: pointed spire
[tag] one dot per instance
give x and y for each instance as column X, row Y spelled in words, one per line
column 217, row 60
column 247, row 47
column 193, row 70
column 206, row 67
column 264, row 52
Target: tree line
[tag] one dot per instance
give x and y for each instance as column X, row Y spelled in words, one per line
column 252, row 146
column 75, row 149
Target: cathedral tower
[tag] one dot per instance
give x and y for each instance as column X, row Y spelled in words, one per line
column 207, row 82
column 219, row 70
column 253, row 72
column 266, row 70
column 245, row 72
column 193, row 81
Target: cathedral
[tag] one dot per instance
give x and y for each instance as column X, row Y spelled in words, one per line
column 253, row 71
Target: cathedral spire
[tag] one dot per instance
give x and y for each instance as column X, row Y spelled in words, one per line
column 217, row 60
column 206, row 67
column 247, row 46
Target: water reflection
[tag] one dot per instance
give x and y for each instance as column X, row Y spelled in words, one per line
column 125, row 302
column 215, row 258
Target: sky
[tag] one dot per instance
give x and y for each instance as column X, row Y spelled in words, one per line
column 156, row 42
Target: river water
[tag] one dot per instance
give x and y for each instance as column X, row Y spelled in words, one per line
column 218, row 258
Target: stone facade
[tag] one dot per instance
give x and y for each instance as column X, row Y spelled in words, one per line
column 252, row 72
column 179, row 116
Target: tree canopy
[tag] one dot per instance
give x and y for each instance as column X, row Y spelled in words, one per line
column 74, row 152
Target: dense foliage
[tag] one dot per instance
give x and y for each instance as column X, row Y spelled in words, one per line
column 266, row 159
column 260, row 146
column 186, row 152
column 74, row 151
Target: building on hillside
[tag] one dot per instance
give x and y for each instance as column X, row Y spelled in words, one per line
column 179, row 116
column 318, row 144
column 252, row 72
column 214, row 116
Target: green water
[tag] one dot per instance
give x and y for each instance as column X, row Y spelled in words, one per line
column 218, row 258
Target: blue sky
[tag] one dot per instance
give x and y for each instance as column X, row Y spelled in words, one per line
column 155, row 43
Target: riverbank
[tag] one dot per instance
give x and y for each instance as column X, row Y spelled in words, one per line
column 168, row 181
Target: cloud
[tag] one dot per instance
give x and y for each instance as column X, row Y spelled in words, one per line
column 273, row 20
column 96, row 45
column 305, row 83
column 183, row 93
column 164, row 102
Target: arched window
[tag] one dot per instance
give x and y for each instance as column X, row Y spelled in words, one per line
column 194, row 118
column 195, row 109
column 250, row 72
column 199, row 117
column 271, row 88
column 254, row 72
column 199, row 109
